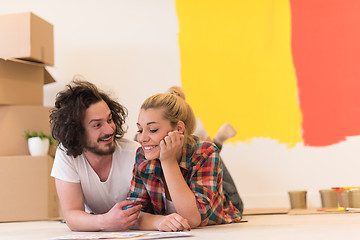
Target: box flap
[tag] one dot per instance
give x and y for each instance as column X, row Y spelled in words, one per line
column 47, row 77
column 24, row 61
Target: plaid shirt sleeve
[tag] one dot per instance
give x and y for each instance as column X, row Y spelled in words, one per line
column 205, row 180
column 207, row 175
column 138, row 190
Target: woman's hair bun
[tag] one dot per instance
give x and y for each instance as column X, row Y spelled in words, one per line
column 176, row 91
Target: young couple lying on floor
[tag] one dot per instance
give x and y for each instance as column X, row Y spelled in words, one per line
column 169, row 180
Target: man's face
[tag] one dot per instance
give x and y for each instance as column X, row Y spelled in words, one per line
column 99, row 129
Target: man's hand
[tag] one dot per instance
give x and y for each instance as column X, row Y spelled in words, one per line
column 118, row 219
column 173, row 223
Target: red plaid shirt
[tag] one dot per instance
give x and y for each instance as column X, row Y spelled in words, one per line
column 202, row 170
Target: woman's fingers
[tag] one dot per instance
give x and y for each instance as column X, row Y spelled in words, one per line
column 167, row 141
column 172, row 226
column 174, row 222
column 171, row 146
column 184, row 222
column 175, row 137
column 177, row 224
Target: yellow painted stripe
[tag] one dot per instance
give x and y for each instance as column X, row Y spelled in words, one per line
column 236, row 67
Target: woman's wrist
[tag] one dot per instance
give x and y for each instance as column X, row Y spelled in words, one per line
column 148, row 221
column 169, row 163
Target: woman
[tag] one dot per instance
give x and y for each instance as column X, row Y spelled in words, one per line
column 177, row 177
column 225, row 132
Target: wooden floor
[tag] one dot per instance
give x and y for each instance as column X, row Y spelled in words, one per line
column 271, row 226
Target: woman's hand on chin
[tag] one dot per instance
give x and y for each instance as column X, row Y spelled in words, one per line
column 171, row 147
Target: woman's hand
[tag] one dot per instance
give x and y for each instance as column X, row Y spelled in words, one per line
column 173, row 223
column 171, row 147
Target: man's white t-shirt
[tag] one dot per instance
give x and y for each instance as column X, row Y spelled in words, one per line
column 99, row 196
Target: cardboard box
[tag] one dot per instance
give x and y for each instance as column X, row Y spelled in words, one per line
column 27, row 190
column 26, row 36
column 21, row 82
column 54, row 209
column 14, row 121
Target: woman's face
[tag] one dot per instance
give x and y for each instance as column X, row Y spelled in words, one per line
column 152, row 128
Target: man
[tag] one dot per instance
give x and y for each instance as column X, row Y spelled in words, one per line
column 93, row 162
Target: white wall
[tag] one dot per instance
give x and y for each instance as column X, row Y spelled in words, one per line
column 264, row 170
column 130, row 48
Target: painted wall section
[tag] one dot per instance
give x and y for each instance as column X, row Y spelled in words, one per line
column 236, row 67
column 326, row 52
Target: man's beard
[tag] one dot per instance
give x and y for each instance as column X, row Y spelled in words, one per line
column 96, row 150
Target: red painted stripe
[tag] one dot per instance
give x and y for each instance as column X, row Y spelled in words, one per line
column 326, row 55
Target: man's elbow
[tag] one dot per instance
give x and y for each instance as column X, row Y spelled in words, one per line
column 73, row 227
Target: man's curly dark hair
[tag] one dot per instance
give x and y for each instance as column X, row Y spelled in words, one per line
column 66, row 118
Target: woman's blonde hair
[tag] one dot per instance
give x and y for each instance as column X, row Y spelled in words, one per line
column 175, row 109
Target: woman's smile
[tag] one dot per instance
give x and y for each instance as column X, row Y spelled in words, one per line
column 149, row 148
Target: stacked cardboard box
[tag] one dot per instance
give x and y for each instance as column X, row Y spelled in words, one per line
column 26, row 48
column 27, row 36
